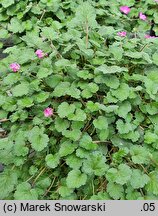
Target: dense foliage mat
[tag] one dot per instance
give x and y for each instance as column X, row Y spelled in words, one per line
column 79, row 99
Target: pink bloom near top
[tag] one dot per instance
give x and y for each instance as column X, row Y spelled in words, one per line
column 48, row 112
column 125, row 9
column 142, row 16
column 122, row 34
column 15, row 67
column 39, row 53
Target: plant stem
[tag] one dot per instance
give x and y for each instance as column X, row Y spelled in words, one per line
column 42, row 15
column 47, row 191
column 87, row 33
column 42, row 171
column 54, row 48
column 3, row 120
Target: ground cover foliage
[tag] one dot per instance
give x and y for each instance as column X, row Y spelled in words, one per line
column 100, row 140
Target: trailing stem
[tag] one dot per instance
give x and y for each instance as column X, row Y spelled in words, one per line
column 87, row 33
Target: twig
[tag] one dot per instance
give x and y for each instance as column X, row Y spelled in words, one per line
column 47, row 191
column 42, row 171
column 87, row 33
column 98, row 141
column 54, row 48
column 44, row 11
column 143, row 48
column 3, row 120
column 144, row 169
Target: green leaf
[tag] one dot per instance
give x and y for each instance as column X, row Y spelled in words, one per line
column 67, row 148
column 79, row 115
column 8, row 180
column 150, row 137
column 84, row 74
column 100, row 196
column 37, row 139
column 118, row 156
column 85, row 14
column 121, row 175
column 12, row 78
column 140, row 154
column 73, row 92
column 132, row 194
column 5, row 143
column 20, row 148
column 44, row 72
column 86, row 142
column 123, row 128
column 82, row 153
column 49, row 33
column 116, row 51
column 90, row 89
column 25, row 102
column 152, row 186
column 64, row 191
column 91, row 106
column 53, row 80
column 64, row 109
column 4, row 33
column 76, row 179
column 24, row 192
column 73, row 161
column 122, row 93
column 7, row 3
column 63, row 63
column 61, row 124
column 61, row 89
column 95, row 164
column 72, row 134
column 41, row 97
column 124, row 109
column 155, row 58
column 52, row 160
column 135, row 55
column 110, row 69
column 15, row 25
column 101, row 123
column 115, row 190
column 138, row 179
column 21, row 89
column 111, row 81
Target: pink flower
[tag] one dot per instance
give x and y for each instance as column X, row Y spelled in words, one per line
column 39, row 53
column 15, row 67
column 156, row 1
column 142, row 16
column 48, row 112
column 148, row 36
column 122, row 34
column 125, row 9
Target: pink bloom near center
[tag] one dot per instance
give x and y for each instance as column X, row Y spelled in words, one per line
column 39, row 53
column 15, row 67
column 142, row 16
column 122, row 34
column 48, row 112
column 125, row 9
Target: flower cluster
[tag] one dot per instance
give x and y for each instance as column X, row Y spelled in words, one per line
column 48, row 112
column 122, row 34
column 40, row 53
column 126, row 10
column 15, row 67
